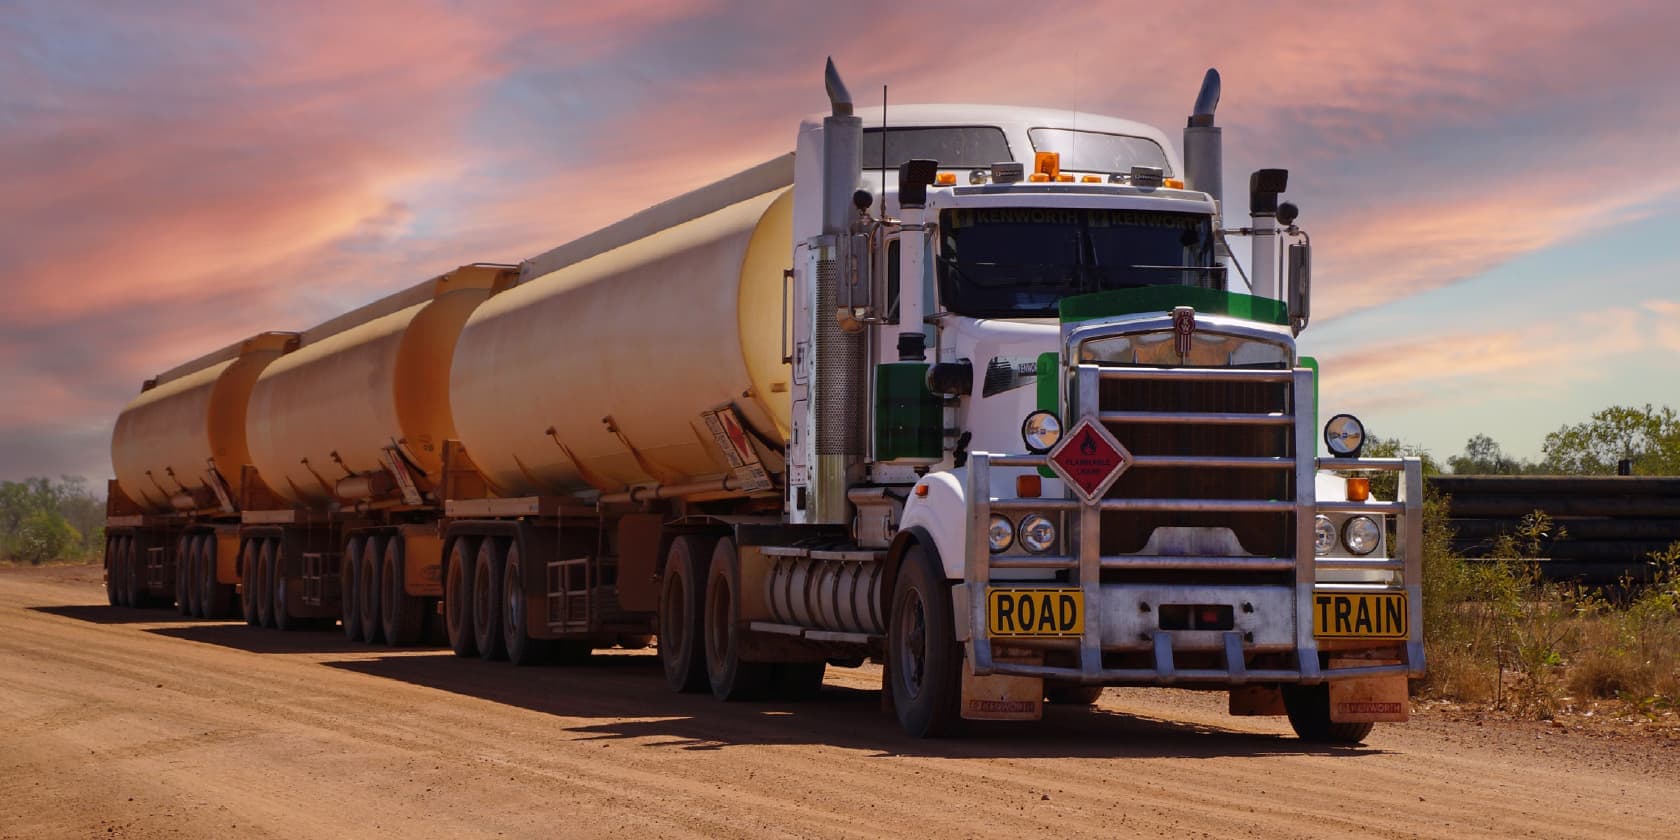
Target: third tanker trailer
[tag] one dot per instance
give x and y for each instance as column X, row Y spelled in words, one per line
column 970, row 393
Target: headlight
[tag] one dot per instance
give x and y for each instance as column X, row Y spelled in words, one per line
column 1361, row 535
column 1038, row 533
column 1000, row 534
column 1324, row 535
column 1041, row 431
column 1344, row 435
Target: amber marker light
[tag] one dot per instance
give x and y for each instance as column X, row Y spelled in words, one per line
column 1173, row 184
column 1090, row 179
column 1038, row 177
column 921, row 491
column 1028, row 486
column 1358, row 489
column 945, row 179
column 1064, row 178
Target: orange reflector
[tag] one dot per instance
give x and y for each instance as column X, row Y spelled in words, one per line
column 1028, row 486
column 945, row 179
column 921, row 491
column 1038, row 177
column 1090, row 179
column 1065, row 178
column 1359, row 489
column 1173, row 184
column 1047, row 163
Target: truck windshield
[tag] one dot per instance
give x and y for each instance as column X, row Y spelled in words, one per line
column 1019, row 262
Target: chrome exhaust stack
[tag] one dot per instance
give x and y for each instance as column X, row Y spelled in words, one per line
column 1204, row 155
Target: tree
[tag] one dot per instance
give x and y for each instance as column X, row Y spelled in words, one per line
column 1649, row 437
column 1482, row 456
column 42, row 536
column 44, row 520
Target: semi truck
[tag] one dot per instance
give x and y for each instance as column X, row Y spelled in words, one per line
column 972, row 392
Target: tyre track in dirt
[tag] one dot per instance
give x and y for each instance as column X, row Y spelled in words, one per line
column 307, row 735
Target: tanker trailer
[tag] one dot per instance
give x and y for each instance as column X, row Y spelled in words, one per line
column 178, row 449
column 970, row 394
column 348, row 431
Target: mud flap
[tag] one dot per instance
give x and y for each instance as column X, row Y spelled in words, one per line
column 1000, row 697
column 1368, row 699
column 1256, row 701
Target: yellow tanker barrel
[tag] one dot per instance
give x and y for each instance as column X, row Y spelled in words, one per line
column 185, row 433
column 365, row 396
column 595, row 373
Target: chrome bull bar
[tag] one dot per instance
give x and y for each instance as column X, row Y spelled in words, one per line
column 1085, row 562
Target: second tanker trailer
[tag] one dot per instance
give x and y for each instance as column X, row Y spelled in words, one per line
column 970, row 394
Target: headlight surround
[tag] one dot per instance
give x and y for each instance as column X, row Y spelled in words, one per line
column 1361, row 535
column 1344, row 436
column 1000, row 534
column 1037, row 533
column 1041, row 431
column 1324, row 535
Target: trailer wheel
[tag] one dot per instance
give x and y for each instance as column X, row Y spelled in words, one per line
column 369, row 575
column 248, row 582
column 349, row 596
column 731, row 678
column 281, row 589
column 218, row 597
column 134, row 574
column 1072, row 694
column 191, row 564
column 110, row 574
column 183, row 577
column 924, row 661
column 118, row 583
column 798, row 680
column 265, row 583
column 457, row 597
column 399, row 612
column 1309, row 715
column 682, row 613
column 521, row 648
column 487, row 599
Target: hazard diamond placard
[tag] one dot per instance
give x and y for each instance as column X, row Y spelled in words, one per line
column 1089, row 459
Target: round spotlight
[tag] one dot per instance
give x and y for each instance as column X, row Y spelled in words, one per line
column 1324, row 535
column 1000, row 535
column 1038, row 533
column 1041, row 431
column 1344, row 435
column 1361, row 535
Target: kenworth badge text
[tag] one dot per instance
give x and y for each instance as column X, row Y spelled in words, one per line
column 976, row 392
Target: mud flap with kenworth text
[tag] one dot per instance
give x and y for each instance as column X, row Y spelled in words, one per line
column 1368, row 699
column 1002, row 697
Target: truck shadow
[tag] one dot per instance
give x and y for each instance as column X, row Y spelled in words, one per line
column 104, row 614
column 630, row 691
column 239, row 636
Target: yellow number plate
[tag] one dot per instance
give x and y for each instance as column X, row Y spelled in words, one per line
column 1338, row 615
column 1042, row 613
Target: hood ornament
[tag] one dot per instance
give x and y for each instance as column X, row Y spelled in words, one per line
column 1184, row 328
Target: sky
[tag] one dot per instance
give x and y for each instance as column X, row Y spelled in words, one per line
column 1492, row 189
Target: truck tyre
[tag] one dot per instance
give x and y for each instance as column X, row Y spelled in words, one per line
column 682, row 603
column 134, row 574
column 248, row 582
column 521, row 648
column 369, row 575
column 924, row 661
column 457, row 597
column 487, row 600
column 280, row 588
column 731, row 678
column 110, row 571
column 118, row 583
column 399, row 612
column 798, row 680
column 265, row 583
column 1072, row 694
column 183, row 577
column 349, row 597
column 1309, row 715
column 217, row 596
column 195, row 575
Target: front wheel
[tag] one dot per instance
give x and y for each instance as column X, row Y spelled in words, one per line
column 924, row 661
column 1309, row 715
column 1072, row 694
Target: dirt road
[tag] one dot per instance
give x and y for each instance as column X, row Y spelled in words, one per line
column 134, row 723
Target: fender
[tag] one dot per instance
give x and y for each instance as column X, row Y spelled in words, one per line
column 942, row 515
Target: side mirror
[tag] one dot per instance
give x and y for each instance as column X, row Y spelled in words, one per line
column 1299, row 282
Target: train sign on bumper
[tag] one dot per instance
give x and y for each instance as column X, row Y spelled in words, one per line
column 1366, row 615
column 1035, row 613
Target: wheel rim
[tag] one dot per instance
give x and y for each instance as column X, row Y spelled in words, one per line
column 483, row 600
column 717, row 626
column 513, row 599
column 912, row 645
